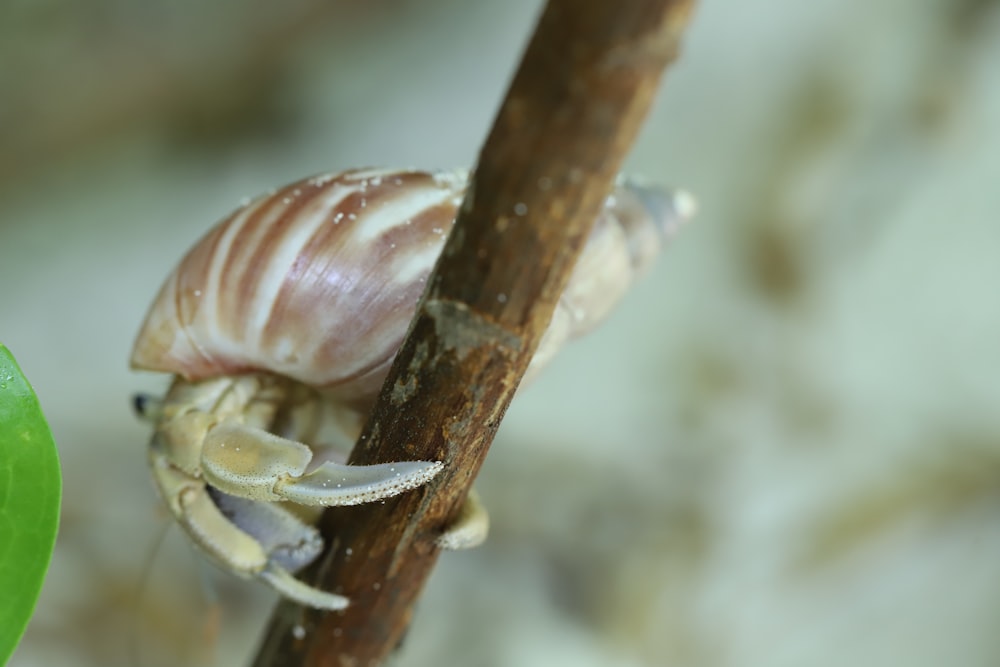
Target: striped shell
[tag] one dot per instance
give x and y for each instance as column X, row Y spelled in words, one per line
column 318, row 281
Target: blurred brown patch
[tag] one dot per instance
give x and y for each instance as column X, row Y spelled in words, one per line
column 777, row 257
column 199, row 75
column 965, row 473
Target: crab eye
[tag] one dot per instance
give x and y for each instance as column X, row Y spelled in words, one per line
column 147, row 407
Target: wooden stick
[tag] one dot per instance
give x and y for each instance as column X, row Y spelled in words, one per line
column 573, row 110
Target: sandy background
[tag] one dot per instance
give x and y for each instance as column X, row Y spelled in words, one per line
column 783, row 450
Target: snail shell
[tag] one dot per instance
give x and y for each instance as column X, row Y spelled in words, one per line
column 319, row 280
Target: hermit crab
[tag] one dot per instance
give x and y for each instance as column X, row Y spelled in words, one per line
column 279, row 326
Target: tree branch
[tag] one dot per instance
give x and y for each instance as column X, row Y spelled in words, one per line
column 573, row 110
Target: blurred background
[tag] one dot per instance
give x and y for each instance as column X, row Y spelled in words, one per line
column 782, row 450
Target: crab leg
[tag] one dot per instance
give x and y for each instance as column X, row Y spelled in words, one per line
column 251, row 463
column 235, row 549
column 282, row 581
column 470, row 527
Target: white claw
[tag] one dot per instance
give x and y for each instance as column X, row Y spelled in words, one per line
column 335, row 484
column 247, row 462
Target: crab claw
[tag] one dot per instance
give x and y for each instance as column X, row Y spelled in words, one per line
column 251, row 539
column 251, row 463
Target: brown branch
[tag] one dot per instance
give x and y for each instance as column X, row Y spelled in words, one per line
column 584, row 85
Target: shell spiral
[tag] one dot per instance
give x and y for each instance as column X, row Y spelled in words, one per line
column 318, row 280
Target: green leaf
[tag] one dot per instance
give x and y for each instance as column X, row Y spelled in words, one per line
column 30, row 486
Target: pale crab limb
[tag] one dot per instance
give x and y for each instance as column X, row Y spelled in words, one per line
column 470, row 527
column 290, row 544
column 285, row 538
column 226, row 544
column 283, row 582
column 336, row 484
column 251, row 463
